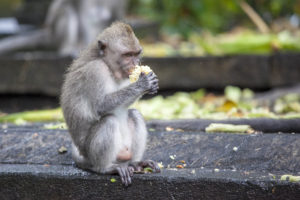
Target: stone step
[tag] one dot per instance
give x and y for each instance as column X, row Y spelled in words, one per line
column 32, row 168
column 67, row 182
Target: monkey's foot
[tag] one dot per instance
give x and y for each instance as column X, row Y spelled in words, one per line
column 140, row 166
column 125, row 172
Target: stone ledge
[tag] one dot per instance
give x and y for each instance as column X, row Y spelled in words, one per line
column 67, row 182
column 42, row 73
column 32, row 168
column 265, row 125
column 272, row 152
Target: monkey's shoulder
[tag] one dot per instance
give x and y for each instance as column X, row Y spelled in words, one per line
column 90, row 71
column 96, row 68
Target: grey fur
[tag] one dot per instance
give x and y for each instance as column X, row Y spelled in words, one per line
column 95, row 106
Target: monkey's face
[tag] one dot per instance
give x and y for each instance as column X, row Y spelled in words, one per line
column 128, row 60
column 123, row 56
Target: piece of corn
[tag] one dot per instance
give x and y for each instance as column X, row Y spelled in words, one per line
column 180, row 166
column 135, row 74
column 160, row 165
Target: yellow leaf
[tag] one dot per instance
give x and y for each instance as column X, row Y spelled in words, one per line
column 227, row 106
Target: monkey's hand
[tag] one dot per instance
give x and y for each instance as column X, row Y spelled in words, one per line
column 148, row 82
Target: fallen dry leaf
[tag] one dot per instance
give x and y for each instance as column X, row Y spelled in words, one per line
column 62, row 149
column 168, row 128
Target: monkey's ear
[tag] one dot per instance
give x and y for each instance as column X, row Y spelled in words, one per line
column 102, row 47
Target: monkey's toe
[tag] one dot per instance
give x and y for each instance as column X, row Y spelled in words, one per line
column 125, row 175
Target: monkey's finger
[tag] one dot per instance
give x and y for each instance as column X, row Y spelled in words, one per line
column 131, row 169
column 125, row 177
column 140, row 169
column 137, row 168
column 134, row 166
column 129, row 181
column 153, row 165
column 149, row 74
column 154, row 88
column 153, row 85
column 157, row 168
column 128, row 176
column 155, row 81
column 153, row 92
column 153, row 76
column 142, row 74
column 122, row 175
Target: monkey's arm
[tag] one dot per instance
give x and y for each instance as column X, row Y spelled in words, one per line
column 121, row 98
column 126, row 96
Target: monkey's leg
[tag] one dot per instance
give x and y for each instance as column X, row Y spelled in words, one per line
column 80, row 160
column 139, row 134
column 103, row 146
column 67, row 29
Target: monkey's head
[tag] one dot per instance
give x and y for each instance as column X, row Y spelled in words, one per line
column 120, row 49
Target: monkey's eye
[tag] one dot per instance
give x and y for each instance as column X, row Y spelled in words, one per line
column 138, row 53
column 129, row 54
column 132, row 54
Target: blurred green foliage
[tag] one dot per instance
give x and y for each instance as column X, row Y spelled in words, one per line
column 235, row 103
column 7, row 7
column 183, row 17
column 230, row 43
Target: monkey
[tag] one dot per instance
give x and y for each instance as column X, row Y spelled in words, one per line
column 107, row 136
column 74, row 23
column 69, row 26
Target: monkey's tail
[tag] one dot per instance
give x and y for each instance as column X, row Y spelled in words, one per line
column 80, row 160
column 28, row 40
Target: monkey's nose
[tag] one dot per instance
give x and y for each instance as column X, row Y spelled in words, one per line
column 136, row 62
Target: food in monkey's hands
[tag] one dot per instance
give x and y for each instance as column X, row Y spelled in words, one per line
column 138, row 69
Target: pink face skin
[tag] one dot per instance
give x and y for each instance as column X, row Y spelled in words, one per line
column 129, row 61
column 129, row 54
column 122, row 56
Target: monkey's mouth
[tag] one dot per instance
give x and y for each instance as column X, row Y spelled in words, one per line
column 129, row 70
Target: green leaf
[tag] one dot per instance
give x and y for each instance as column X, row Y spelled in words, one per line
column 233, row 93
column 290, row 178
column 113, row 180
column 148, row 169
column 228, row 128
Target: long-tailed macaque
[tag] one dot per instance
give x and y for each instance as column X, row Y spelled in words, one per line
column 108, row 137
column 70, row 26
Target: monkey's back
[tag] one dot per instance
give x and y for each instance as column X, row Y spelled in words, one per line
column 80, row 90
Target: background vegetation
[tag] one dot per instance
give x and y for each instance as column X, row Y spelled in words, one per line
column 184, row 17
